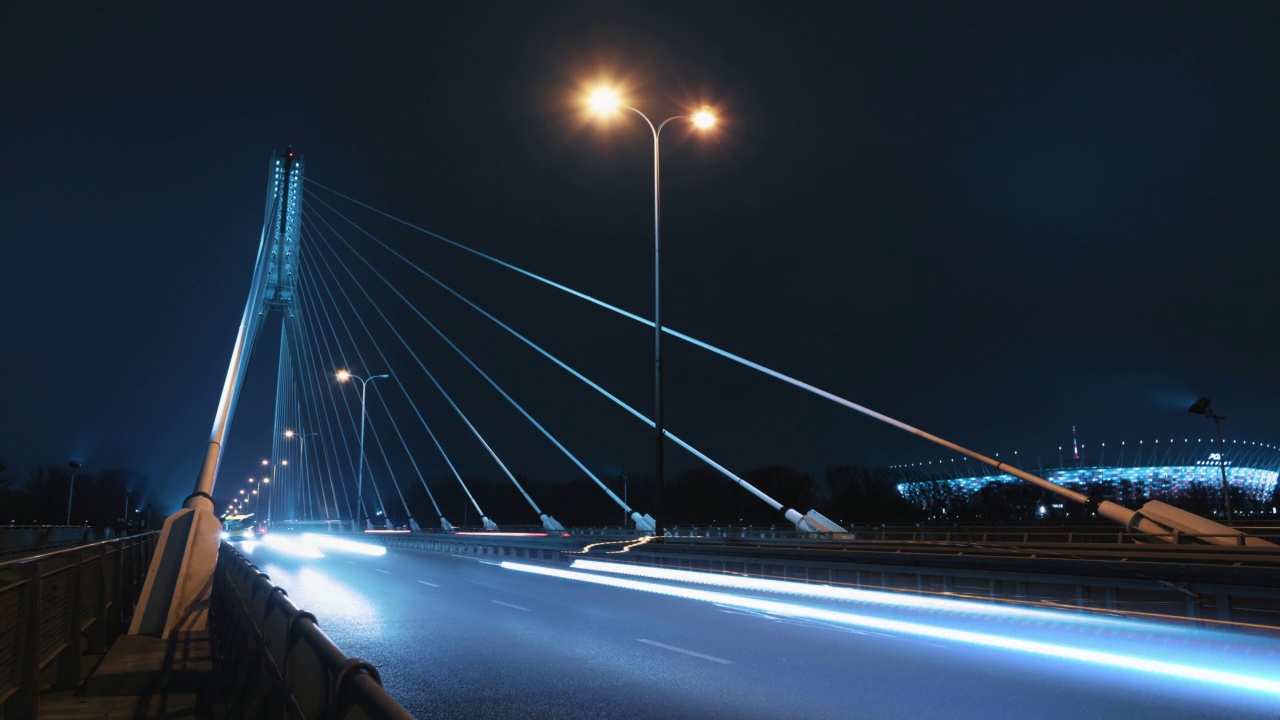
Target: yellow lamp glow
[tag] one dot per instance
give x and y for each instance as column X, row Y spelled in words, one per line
column 704, row 119
column 603, row 101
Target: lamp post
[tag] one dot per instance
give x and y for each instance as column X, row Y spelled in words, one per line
column 343, row 376
column 72, row 491
column 273, row 466
column 605, row 102
column 624, row 500
column 1203, row 407
column 302, row 450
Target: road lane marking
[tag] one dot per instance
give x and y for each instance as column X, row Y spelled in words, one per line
column 517, row 607
column 384, row 572
column 673, row 648
column 424, row 582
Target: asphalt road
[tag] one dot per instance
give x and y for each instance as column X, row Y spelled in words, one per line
column 461, row 638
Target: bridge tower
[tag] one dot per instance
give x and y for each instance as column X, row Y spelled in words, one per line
column 176, row 592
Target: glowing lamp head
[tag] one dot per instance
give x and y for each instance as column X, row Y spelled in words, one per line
column 603, row 101
column 288, row 433
column 266, row 462
column 704, row 119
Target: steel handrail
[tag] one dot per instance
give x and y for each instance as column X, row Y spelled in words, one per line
column 284, row 663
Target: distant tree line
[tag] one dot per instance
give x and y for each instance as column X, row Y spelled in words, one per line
column 844, row 493
column 99, row 498
column 849, row 494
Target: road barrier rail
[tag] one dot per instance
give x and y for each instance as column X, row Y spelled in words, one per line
column 1207, row 584
column 276, row 660
column 59, row 605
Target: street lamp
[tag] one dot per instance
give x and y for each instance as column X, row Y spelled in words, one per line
column 605, row 101
column 1203, row 407
column 266, row 463
column 72, row 491
column 343, row 376
column 302, row 437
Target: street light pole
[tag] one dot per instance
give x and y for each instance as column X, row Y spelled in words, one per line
column 1203, row 407
column 71, row 493
column 302, row 437
column 605, row 101
column 364, row 383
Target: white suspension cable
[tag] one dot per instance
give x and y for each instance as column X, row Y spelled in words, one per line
column 377, row 347
column 637, row 414
column 455, row 407
column 477, row 368
column 360, row 357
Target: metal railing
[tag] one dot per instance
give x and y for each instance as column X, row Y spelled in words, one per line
column 1098, row 534
column 30, row 539
column 1210, row 584
column 1202, row 583
column 57, row 606
column 276, row 660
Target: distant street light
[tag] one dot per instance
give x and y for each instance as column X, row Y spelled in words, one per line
column 72, row 491
column 302, row 437
column 267, row 463
column 605, row 101
column 1203, row 407
column 343, row 376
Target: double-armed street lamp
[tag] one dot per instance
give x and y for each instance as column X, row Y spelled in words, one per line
column 258, row 492
column 1203, row 407
column 302, row 450
column 605, row 102
column 343, row 376
column 71, row 492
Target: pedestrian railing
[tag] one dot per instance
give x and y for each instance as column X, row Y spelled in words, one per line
column 276, row 660
column 59, row 605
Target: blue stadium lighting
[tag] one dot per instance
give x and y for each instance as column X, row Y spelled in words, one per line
column 1258, row 483
column 1151, row 666
column 331, row 542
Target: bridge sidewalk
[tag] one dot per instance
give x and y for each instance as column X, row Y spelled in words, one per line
column 142, row 676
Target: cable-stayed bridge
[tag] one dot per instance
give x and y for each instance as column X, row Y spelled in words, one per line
column 366, row 423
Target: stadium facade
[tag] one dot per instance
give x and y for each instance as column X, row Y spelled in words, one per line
column 1150, row 469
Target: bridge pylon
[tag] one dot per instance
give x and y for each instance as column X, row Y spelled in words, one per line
column 179, row 581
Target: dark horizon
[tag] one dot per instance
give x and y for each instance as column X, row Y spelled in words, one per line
column 990, row 221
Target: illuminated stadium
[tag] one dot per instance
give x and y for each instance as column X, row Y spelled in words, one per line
column 1155, row 469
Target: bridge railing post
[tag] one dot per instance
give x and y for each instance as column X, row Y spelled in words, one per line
column 24, row 702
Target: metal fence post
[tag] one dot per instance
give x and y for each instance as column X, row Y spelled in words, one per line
column 25, row 701
column 69, row 658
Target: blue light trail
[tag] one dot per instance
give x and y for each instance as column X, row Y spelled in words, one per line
column 1269, row 683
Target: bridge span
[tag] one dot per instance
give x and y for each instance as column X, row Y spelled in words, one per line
column 494, row 634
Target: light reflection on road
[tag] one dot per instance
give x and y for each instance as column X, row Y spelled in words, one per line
column 321, row 592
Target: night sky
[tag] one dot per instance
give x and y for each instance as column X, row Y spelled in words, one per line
column 993, row 221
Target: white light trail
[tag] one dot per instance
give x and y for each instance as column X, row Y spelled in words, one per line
column 332, row 542
column 289, row 546
column 1267, row 685
column 829, row 592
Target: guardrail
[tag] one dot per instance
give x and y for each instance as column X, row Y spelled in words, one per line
column 56, row 606
column 31, row 539
column 277, row 661
column 1237, row 587
column 1203, row 583
column 1107, row 534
